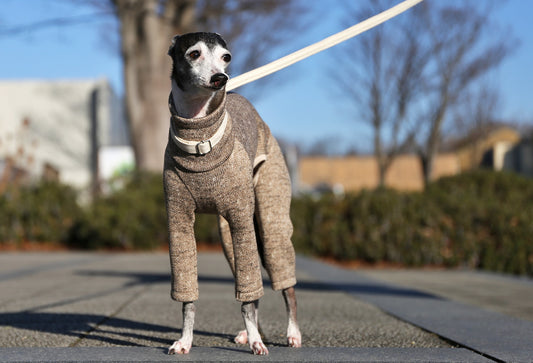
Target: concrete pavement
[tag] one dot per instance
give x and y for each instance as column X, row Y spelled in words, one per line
column 117, row 307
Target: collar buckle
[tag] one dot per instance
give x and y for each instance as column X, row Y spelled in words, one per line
column 204, row 147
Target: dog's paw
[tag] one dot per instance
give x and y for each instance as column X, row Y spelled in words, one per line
column 295, row 342
column 179, row 347
column 294, row 337
column 259, row 348
column 241, row 338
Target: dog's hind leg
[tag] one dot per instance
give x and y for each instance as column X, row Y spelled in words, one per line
column 273, row 198
column 183, row 346
column 294, row 337
column 227, row 244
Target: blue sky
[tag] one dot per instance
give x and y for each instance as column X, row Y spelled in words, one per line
column 301, row 109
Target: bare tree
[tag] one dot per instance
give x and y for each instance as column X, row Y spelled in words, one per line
column 381, row 74
column 463, row 50
column 475, row 111
column 146, row 28
column 409, row 73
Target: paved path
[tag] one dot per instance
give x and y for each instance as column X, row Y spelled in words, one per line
column 117, row 307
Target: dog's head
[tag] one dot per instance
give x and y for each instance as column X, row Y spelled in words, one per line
column 199, row 61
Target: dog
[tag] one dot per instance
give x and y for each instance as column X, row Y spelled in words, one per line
column 221, row 158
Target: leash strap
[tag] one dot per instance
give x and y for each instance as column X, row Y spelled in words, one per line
column 324, row 44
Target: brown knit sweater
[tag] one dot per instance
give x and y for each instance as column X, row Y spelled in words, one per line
column 222, row 182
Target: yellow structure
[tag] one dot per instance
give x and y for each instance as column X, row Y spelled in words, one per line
column 354, row 173
column 470, row 151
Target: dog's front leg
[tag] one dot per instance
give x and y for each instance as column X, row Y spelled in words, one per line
column 242, row 336
column 248, row 280
column 249, row 314
column 183, row 346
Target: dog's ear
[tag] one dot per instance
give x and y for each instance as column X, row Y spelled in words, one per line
column 172, row 45
column 222, row 41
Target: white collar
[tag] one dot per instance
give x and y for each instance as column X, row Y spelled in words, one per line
column 200, row 147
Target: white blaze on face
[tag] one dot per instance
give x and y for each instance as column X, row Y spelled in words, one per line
column 205, row 61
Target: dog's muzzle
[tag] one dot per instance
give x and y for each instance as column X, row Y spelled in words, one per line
column 219, row 80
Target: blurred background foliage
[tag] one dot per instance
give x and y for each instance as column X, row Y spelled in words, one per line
column 481, row 219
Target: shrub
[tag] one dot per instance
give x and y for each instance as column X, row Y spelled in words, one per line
column 130, row 218
column 479, row 219
column 373, row 226
column 133, row 217
column 491, row 218
column 41, row 212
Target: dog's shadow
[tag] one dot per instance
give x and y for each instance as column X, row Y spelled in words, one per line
column 110, row 330
column 113, row 330
column 98, row 328
column 101, row 328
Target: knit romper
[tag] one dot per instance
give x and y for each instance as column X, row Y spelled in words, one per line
column 242, row 176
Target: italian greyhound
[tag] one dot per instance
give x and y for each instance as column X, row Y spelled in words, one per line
column 222, row 159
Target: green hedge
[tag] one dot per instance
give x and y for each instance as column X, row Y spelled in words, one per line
column 132, row 218
column 492, row 218
column 43, row 212
column 381, row 225
column 481, row 219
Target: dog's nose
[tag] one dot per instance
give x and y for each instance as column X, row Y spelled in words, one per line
column 219, row 80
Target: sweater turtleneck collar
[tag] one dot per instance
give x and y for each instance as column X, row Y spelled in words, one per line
column 199, row 129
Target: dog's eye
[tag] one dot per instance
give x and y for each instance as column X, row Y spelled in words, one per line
column 226, row 58
column 194, row 54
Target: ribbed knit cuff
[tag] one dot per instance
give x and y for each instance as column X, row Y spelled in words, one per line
column 249, row 296
column 285, row 284
column 184, row 296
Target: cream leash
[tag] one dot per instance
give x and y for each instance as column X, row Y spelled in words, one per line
column 324, row 44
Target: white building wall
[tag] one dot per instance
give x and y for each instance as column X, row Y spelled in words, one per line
column 58, row 127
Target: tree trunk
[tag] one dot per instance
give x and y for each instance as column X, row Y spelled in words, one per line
column 146, row 33
column 424, row 165
column 382, row 173
column 434, row 138
column 147, row 27
column 379, row 153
